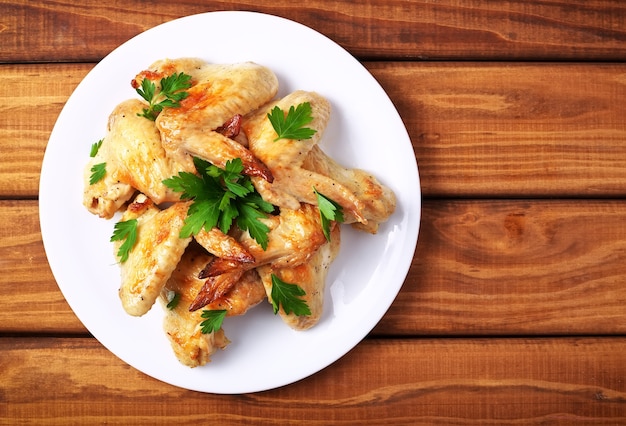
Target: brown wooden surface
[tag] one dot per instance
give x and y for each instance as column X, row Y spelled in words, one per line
column 517, row 381
column 514, row 309
column 474, row 126
column 469, row 251
column 426, row 29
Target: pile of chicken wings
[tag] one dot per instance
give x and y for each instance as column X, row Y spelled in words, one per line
column 224, row 117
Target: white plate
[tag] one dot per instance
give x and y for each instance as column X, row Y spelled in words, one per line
column 365, row 131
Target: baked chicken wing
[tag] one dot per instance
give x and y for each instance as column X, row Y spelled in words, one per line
column 222, row 117
column 155, row 254
column 182, row 326
column 222, row 245
column 134, row 159
column 310, row 276
column 298, row 166
column 294, row 237
column 218, row 93
column 377, row 201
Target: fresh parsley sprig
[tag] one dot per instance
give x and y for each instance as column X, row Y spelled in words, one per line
column 95, row 147
column 221, row 197
column 213, row 321
column 291, row 125
column 169, row 95
column 98, row 171
column 329, row 211
column 125, row 231
column 288, row 296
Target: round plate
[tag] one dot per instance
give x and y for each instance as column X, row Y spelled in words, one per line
column 365, row 131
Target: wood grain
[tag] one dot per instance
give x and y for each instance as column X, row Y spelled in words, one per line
column 383, row 29
column 514, row 309
column 27, row 287
column 513, row 130
column 30, row 102
column 478, row 129
column 426, row 381
column 481, row 268
column 515, row 268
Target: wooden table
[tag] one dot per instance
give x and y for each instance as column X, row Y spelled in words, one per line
column 514, row 309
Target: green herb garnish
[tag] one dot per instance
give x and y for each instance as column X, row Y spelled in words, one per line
column 97, row 173
column 221, row 196
column 95, row 147
column 213, row 321
column 329, row 210
column 291, row 125
column 172, row 300
column 288, row 296
column 169, row 95
column 125, row 231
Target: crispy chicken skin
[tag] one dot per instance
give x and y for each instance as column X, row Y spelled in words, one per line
column 295, row 236
column 216, row 287
column 310, row 276
column 378, row 201
column 284, row 156
column 222, row 245
column 182, row 326
column 281, row 153
column 298, row 166
column 166, row 67
column 135, row 160
column 246, row 293
column 218, row 93
column 191, row 347
column 154, row 256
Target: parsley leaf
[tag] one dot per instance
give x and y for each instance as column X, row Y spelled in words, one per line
column 248, row 220
column 171, row 86
column 95, row 148
column 219, row 198
column 202, row 213
column 97, row 173
column 291, row 125
column 125, row 231
column 329, row 210
column 213, row 321
column 172, row 300
column 169, row 95
column 188, row 184
column 231, row 176
column 287, row 296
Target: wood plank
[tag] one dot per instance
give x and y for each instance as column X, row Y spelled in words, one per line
column 30, row 102
column 429, row 381
column 33, row 301
column 513, row 130
column 481, row 268
column 383, row 29
column 478, row 129
column 517, row 268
